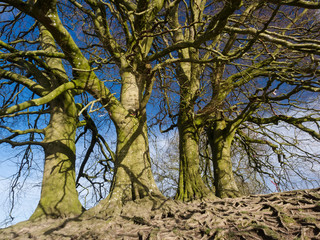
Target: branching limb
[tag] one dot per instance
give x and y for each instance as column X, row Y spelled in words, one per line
column 33, row 86
column 95, row 137
column 40, row 101
column 25, row 113
column 298, row 3
column 31, row 54
column 297, row 122
column 15, row 144
column 21, row 132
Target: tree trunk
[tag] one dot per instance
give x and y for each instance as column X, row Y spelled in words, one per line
column 191, row 185
column 59, row 197
column 133, row 178
column 220, row 139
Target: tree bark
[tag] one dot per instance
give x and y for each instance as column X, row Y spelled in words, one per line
column 191, row 185
column 220, row 139
column 59, row 197
column 133, row 178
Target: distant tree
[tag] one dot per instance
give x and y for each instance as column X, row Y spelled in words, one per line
column 165, row 161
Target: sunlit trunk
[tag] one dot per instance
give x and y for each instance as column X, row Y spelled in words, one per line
column 133, row 178
column 59, row 197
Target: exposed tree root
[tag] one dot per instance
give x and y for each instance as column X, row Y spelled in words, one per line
column 287, row 215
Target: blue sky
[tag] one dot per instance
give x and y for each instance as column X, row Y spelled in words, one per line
column 27, row 198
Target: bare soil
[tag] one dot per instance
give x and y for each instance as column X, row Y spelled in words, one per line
column 286, row 215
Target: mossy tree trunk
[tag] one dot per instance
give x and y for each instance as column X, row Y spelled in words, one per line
column 133, row 178
column 59, row 197
column 220, row 139
column 191, row 185
column 189, row 75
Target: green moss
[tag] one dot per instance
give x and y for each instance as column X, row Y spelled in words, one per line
column 191, row 185
column 207, row 231
column 304, row 238
column 288, row 219
column 244, row 212
column 177, row 232
column 267, row 231
column 154, row 232
column 309, row 220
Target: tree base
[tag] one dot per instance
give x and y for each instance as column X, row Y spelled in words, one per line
column 202, row 195
column 228, row 194
column 115, row 207
column 40, row 213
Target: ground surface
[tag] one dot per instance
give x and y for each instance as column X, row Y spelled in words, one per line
column 287, row 215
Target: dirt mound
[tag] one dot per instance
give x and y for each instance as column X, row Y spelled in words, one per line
column 287, row 215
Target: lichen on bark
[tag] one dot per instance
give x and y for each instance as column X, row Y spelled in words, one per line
column 220, row 139
column 190, row 185
column 59, row 197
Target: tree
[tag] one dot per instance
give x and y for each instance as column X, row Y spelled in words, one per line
column 191, row 185
column 254, row 78
column 264, row 86
column 132, row 175
column 58, row 194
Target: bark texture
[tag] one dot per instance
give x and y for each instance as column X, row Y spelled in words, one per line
column 191, row 185
column 220, row 139
column 133, row 178
column 59, row 197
